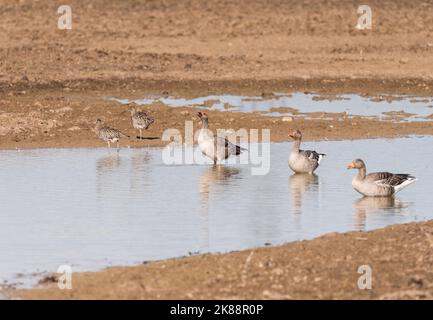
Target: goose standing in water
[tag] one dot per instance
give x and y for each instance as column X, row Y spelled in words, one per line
column 378, row 184
column 303, row 161
column 108, row 134
column 216, row 148
column 140, row 120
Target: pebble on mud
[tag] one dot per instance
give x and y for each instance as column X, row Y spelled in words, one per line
column 287, row 119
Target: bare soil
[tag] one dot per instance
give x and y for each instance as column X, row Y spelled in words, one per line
column 166, row 40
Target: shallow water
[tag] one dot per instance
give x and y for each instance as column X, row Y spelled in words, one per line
column 89, row 209
column 307, row 105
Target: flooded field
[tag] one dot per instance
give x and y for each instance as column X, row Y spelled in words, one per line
column 91, row 209
column 308, row 105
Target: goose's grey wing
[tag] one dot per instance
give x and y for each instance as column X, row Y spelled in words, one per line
column 231, row 148
column 389, row 179
column 312, row 155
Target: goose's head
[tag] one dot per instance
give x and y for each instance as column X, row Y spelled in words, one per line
column 296, row 135
column 356, row 164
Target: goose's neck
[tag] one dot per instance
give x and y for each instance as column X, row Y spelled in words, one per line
column 205, row 124
column 362, row 172
column 296, row 145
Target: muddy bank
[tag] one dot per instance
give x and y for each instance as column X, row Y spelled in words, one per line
column 53, row 118
column 324, row 268
column 50, row 78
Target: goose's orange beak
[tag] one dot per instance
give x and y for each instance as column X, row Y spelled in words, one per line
column 350, row 166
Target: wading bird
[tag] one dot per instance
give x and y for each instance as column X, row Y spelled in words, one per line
column 141, row 120
column 216, row 148
column 303, row 161
column 108, row 134
column 378, row 184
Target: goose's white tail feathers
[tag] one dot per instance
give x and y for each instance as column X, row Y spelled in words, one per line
column 409, row 181
column 320, row 158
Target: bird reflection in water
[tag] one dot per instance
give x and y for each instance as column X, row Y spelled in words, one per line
column 106, row 167
column 299, row 184
column 139, row 176
column 376, row 205
column 214, row 176
column 107, row 163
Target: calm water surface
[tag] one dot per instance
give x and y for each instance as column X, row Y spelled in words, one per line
column 91, row 209
column 307, row 104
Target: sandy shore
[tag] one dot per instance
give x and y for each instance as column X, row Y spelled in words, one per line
column 400, row 258
column 55, row 118
column 52, row 85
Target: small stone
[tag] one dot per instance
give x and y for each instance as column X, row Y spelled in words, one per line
column 287, row 119
column 278, row 271
column 63, row 110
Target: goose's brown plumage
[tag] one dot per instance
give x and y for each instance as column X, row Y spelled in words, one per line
column 216, row 148
column 378, row 184
column 303, row 161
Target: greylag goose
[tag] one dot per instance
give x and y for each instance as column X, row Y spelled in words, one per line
column 108, row 134
column 303, row 161
column 216, row 148
column 378, row 184
column 141, row 120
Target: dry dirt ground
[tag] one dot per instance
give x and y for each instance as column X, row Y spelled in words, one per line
column 52, row 83
column 115, row 40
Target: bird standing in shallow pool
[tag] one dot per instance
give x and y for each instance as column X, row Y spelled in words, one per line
column 303, row 161
column 216, row 148
column 378, row 184
column 140, row 120
column 108, row 134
